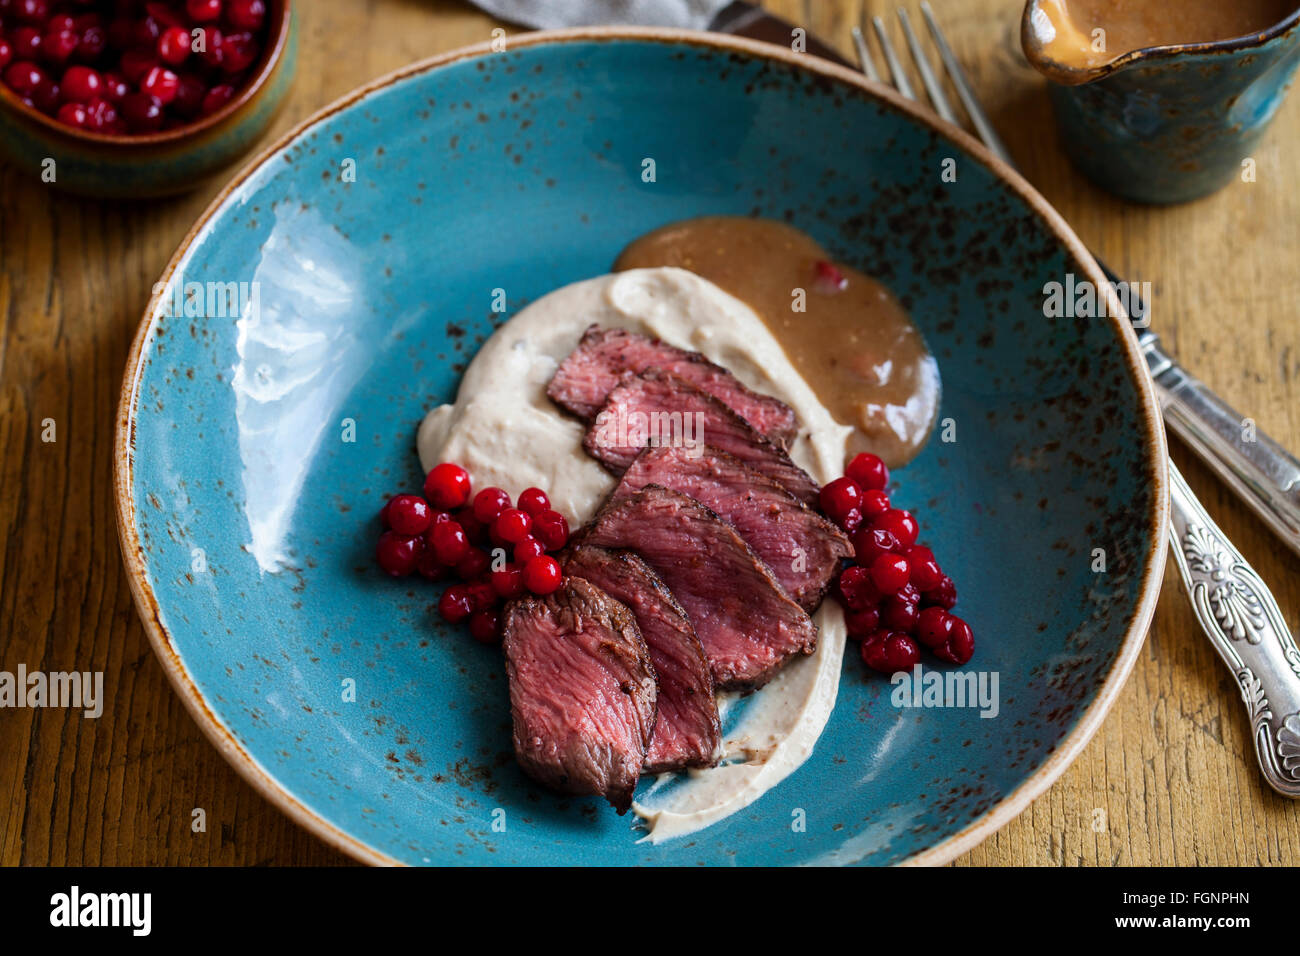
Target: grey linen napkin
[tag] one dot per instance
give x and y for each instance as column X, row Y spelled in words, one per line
column 548, row 14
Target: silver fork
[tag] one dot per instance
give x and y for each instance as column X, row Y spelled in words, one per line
column 1231, row 602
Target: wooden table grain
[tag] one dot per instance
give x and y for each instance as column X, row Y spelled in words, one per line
column 1169, row 778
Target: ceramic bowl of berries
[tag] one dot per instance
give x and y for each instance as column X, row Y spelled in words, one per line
column 138, row 98
column 331, row 508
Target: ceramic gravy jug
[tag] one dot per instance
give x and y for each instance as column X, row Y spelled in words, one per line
column 1161, row 123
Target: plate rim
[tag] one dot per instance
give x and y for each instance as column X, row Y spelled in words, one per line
column 279, row 795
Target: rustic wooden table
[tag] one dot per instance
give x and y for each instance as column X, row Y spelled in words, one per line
column 1171, row 771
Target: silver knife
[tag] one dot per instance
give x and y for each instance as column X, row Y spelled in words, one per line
column 1241, row 618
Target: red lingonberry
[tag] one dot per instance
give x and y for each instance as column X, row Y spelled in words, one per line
column 447, row 486
column 455, row 604
column 26, row 43
column 473, row 565
column 57, row 46
column 874, row 502
column 483, row 627
column 856, row 589
column 552, row 529
column 901, row 653
column 851, row 521
column 398, row 553
column 900, row 524
column 74, row 114
column 216, row 98
column 143, row 113
column 934, row 627
column 542, row 574
column 890, row 652
column 943, row 594
column 23, row 77
column 174, row 46
column 246, row 14
column 115, row 87
column 925, row 569
column 898, row 614
column 862, row 623
column 508, row 581
column 161, row 83
column 960, row 645
column 839, row 497
column 475, row 530
column 534, row 501
column 449, row 541
column 428, row 564
column 829, row 278
column 189, row 96
column 238, row 51
column 101, row 116
column 527, row 549
column 871, row 543
column 135, row 64
column 408, row 514
column 489, row 503
column 203, row 11
column 482, row 594
column 92, row 43
column 512, row 525
column 889, row 572
column 869, row 471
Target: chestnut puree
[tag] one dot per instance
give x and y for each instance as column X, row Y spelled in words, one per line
column 1065, row 32
column 854, row 344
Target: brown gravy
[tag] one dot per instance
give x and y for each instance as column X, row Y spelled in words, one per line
column 853, row 342
column 1136, row 24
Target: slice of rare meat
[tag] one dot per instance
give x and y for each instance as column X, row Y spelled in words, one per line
column 657, row 408
column 687, row 732
column 748, row 625
column 585, row 379
column 800, row 546
column 582, row 691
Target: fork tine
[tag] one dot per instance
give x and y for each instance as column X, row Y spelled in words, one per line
column 933, row 88
column 964, row 90
column 896, row 74
column 865, row 62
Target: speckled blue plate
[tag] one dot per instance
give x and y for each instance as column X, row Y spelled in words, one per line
column 252, row 456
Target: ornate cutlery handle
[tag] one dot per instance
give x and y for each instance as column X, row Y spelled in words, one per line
column 1258, row 469
column 1242, row 620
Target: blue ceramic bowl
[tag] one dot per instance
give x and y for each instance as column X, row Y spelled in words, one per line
column 253, row 456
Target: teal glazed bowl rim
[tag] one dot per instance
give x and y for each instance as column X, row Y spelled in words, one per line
column 279, row 34
column 1151, row 436
column 1230, row 45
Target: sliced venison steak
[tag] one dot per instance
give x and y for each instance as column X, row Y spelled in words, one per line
column 687, row 732
column 800, row 546
column 659, row 408
column 593, row 369
column 582, row 691
column 744, row 619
